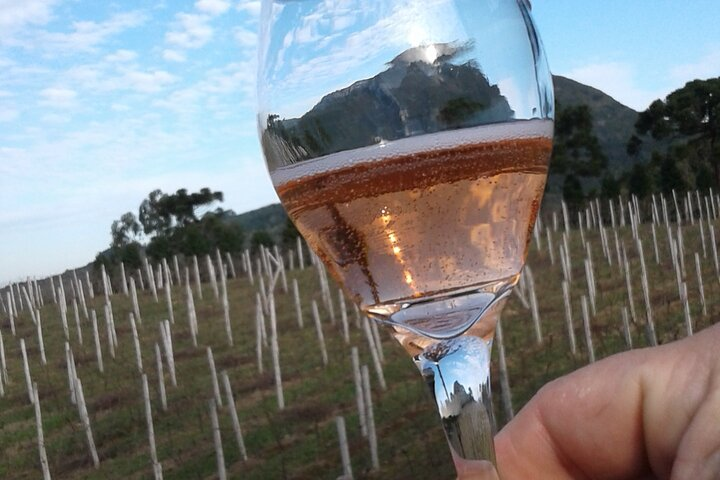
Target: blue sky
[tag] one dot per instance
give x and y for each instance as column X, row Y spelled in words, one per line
column 102, row 102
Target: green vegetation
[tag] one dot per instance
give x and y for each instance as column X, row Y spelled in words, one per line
column 170, row 225
column 607, row 149
column 301, row 441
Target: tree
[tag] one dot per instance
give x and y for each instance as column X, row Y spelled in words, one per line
column 260, row 238
column 640, row 182
column 289, row 234
column 609, row 186
column 573, row 192
column 125, row 231
column 172, row 224
column 161, row 212
column 670, row 177
column 576, row 149
column 690, row 115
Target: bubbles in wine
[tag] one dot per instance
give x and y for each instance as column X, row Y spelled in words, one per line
column 425, row 216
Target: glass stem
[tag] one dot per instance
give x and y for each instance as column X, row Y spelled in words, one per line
column 457, row 371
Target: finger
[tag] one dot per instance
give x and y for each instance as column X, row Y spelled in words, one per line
column 628, row 416
column 589, row 421
column 473, row 469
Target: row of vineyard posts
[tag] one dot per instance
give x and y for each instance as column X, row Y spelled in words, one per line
column 150, row 314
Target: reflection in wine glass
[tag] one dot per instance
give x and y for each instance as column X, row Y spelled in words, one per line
column 409, row 143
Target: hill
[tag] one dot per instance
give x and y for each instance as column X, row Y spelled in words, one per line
column 613, row 122
column 271, row 218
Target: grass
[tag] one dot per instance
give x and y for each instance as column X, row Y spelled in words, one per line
column 301, row 441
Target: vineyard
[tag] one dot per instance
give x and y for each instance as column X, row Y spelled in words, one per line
column 256, row 367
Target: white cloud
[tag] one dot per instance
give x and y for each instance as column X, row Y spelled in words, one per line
column 5, row 94
column 704, row 68
column 190, row 31
column 121, row 56
column 119, row 107
column 15, row 14
column 619, row 80
column 213, row 7
column 147, row 82
column 57, row 97
column 8, row 114
column 87, row 35
column 246, row 38
column 251, row 7
column 54, row 118
column 173, row 56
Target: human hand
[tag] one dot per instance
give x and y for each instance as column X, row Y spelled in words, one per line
column 646, row 414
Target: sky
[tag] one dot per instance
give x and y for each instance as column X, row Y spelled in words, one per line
column 103, row 102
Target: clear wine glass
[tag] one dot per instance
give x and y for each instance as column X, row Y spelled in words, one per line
column 408, row 140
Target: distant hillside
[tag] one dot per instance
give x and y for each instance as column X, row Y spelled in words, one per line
column 272, row 219
column 614, row 122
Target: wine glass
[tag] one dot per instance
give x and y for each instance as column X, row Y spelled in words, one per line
column 409, row 140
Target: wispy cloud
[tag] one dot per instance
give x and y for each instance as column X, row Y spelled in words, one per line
column 707, row 66
column 173, row 55
column 251, row 7
column 190, row 31
column 8, row 114
column 88, row 35
column 213, row 7
column 246, row 38
column 120, row 56
column 57, row 97
column 14, row 14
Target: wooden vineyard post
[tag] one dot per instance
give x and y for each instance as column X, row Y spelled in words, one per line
column 26, row 368
column 568, row 317
column 319, row 331
column 276, row 354
column 359, row 395
column 534, row 305
column 344, row 450
column 161, row 377
column 70, row 363
column 686, row 309
column 166, row 337
column 234, row 415
column 134, row 300
column 701, row 286
column 192, row 316
column 196, row 275
column 586, row 327
column 214, row 377
column 3, row 361
column 217, row 440
column 650, row 323
column 298, row 308
column 213, row 277
column 157, row 467
column 259, row 326
column 136, row 343
column 370, row 416
column 168, row 294
column 96, row 335
column 626, row 328
column 41, row 341
column 374, row 354
column 78, row 326
column 40, row 435
column 85, row 419
column 226, row 308
column 505, row 392
column 343, row 316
